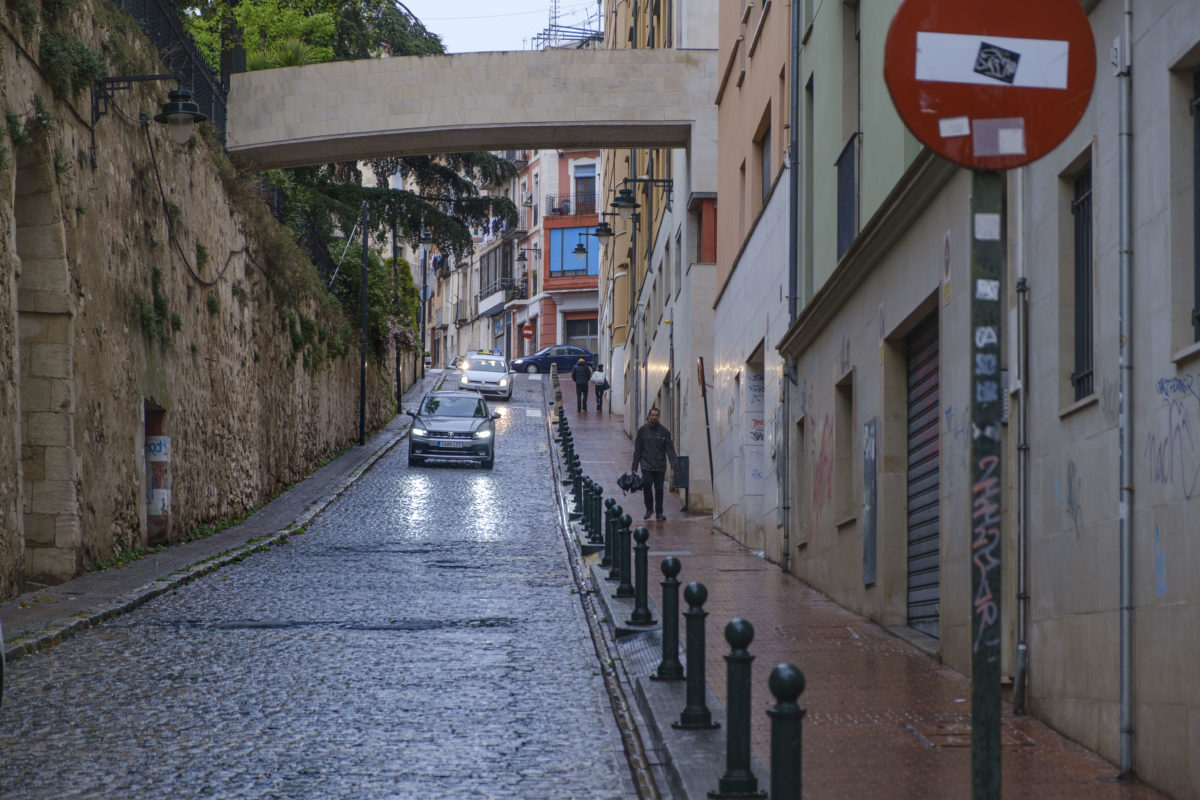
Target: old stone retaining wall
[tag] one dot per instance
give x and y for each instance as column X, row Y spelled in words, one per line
column 153, row 374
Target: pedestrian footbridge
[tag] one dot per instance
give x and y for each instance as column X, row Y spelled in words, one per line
column 563, row 99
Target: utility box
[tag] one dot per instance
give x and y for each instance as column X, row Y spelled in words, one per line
column 679, row 477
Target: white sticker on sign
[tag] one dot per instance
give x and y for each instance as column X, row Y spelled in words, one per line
column 992, row 60
column 987, row 227
column 954, row 126
column 987, row 289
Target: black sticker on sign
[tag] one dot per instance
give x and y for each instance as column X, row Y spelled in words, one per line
column 996, row 62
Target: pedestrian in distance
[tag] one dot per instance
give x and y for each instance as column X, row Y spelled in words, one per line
column 581, row 373
column 600, row 381
column 652, row 448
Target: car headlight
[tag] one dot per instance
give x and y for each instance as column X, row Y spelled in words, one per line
column 420, row 433
column 464, row 379
column 484, row 434
column 504, row 381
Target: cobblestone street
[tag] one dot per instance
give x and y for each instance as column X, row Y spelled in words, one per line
column 423, row 637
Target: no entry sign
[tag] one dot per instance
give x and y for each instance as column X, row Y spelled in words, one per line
column 527, row 331
column 990, row 85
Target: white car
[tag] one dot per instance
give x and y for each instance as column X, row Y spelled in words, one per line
column 486, row 374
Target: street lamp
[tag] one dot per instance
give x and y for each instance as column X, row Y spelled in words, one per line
column 180, row 113
column 425, row 241
column 626, row 205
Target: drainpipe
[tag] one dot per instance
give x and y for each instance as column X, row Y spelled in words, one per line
column 1021, row 667
column 789, row 368
column 1125, row 422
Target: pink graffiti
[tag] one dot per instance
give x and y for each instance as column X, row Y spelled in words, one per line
column 985, row 545
column 822, row 491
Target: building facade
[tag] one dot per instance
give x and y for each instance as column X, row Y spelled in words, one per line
column 843, row 355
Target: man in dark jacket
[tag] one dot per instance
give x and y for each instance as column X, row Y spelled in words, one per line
column 651, row 448
column 581, row 374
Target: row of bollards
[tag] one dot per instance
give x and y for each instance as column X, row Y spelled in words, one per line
column 605, row 523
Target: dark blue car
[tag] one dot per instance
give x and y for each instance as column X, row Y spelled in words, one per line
column 566, row 356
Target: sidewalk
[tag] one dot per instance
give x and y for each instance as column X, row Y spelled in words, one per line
column 43, row 617
column 884, row 719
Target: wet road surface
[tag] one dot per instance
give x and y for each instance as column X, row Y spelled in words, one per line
column 422, row 638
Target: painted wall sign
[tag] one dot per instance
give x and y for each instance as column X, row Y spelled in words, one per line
column 990, row 85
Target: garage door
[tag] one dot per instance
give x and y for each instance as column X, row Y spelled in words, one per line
column 923, row 492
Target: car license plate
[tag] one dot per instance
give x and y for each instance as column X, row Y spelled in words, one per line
column 452, row 444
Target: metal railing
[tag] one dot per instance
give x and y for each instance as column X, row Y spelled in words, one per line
column 160, row 21
column 562, row 204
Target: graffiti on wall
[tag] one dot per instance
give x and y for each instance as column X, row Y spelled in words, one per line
column 823, row 457
column 1069, row 495
column 1171, row 452
column 985, row 546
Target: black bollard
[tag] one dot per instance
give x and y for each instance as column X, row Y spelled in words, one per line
column 620, row 520
column 597, row 534
column 577, row 481
column 786, row 683
column 669, row 669
column 695, row 713
column 586, row 488
column 624, row 588
column 739, row 779
column 641, row 606
column 610, row 516
column 568, row 459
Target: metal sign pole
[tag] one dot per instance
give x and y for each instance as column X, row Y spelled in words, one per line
column 987, row 257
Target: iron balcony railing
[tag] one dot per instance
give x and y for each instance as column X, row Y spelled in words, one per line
column 561, row 204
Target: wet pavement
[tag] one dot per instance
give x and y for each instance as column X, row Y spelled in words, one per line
column 299, row 658
column 883, row 718
column 420, row 636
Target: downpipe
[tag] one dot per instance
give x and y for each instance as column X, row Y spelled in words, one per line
column 1125, row 422
column 789, row 371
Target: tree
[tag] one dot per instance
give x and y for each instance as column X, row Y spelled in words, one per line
column 324, row 202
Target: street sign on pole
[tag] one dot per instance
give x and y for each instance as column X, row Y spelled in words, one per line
column 990, row 85
column 527, row 331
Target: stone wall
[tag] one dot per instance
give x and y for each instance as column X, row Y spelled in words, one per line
column 149, row 380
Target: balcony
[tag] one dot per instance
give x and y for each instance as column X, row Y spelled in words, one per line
column 462, row 313
column 501, row 285
column 558, row 205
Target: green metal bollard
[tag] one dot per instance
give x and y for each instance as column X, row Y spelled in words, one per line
column 739, row 779
column 641, row 606
column 786, row 683
column 620, row 520
column 669, row 669
column 624, row 588
column 610, row 516
column 695, row 713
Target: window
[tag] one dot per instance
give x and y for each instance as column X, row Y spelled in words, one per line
column 847, row 188
column 585, row 189
column 561, row 259
column 1082, row 375
column 845, row 500
column 764, row 152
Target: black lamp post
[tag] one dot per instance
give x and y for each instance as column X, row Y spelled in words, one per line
column 426, row 240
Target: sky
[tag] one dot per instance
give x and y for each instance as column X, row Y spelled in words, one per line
column 469, row 26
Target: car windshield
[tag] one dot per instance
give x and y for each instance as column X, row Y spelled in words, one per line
column 443, row 406
column 487, row 365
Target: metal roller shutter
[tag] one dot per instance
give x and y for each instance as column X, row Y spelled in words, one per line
column 923, row 493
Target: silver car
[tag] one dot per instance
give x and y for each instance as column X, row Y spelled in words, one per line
column 489, row 375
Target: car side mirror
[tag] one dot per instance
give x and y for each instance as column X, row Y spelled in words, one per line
column 410, row 412
column 495, row 415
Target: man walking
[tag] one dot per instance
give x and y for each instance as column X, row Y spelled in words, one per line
column 581, row 374
column 652, row 447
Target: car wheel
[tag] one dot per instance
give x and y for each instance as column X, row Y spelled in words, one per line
column 532, row 369
column 415, row 461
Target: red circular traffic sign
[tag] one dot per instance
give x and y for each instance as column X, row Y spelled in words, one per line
column 990, row 85
column 527, row 331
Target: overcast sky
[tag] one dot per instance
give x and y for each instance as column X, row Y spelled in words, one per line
column 469, row 26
